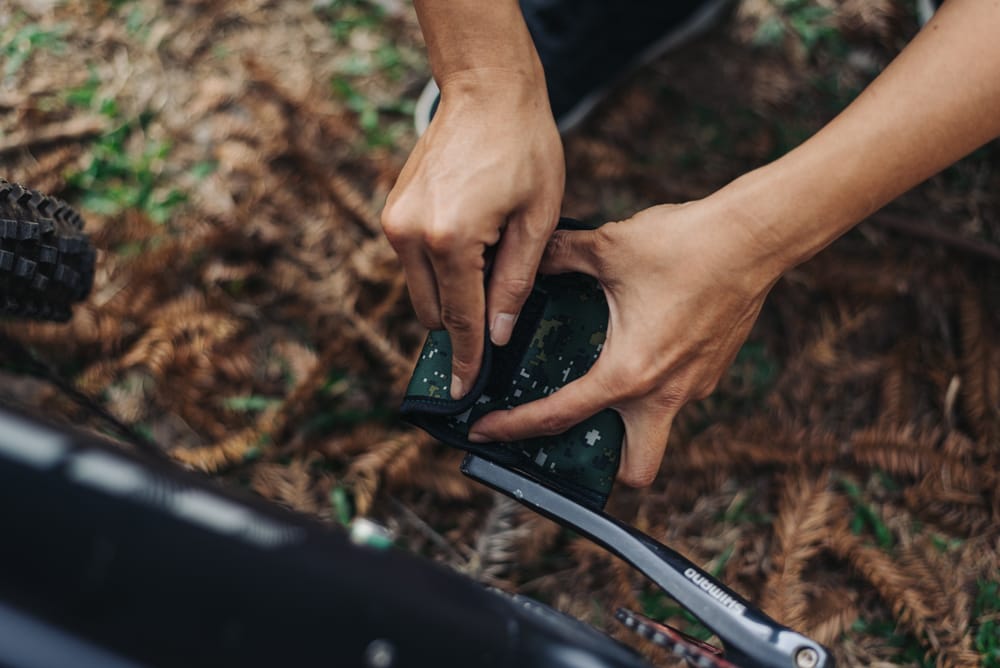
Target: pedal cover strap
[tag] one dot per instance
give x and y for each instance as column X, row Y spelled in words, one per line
column 558, row 337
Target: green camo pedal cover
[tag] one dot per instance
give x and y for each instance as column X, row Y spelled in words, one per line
column 557, row 338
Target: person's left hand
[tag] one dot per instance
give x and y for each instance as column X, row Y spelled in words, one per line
column 684, row 287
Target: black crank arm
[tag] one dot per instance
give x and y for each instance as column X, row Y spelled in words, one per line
column 751, row 638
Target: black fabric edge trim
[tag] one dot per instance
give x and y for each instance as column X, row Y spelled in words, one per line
column 573, row 224
column 419, row 403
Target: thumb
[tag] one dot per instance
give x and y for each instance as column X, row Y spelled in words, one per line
column 554, row 414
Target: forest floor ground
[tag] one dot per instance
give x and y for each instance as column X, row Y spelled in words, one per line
column 231, row 159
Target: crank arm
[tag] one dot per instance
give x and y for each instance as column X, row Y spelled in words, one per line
column 751, row 638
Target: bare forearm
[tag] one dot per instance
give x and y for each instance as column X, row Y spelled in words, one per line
column 938, row 101
column 487, row 172
column 471, row 35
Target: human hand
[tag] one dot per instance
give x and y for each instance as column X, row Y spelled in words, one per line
column 488, row 171
column 683, row 292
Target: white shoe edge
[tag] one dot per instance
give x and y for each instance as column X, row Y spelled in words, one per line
column 925, row 10
column 422, row 110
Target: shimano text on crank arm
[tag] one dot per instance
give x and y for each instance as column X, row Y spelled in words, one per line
column 751, row 638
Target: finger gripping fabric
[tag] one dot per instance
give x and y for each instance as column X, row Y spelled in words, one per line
column 558, row 337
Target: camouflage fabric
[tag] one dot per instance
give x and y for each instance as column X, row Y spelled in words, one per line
column 558, row 336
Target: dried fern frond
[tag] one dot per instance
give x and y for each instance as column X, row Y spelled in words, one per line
column 908, row 453
column 365, row 474
column 597, row 570
column 225, row 453
column 964, row 511
column 291, row 485
column 829, row 614
column 903, row 592
column 980, row 367
column 807, row 510
column 760, row 444
column 539, row 537
column 441, row 478
column 353, row 202
column 494, row 551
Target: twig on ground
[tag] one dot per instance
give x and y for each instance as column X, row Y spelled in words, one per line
column 954, row 240
column 12, row 100
column 73, row 129
column 427, row 530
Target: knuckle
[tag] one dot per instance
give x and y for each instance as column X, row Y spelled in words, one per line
column 428, row 314
column 456, row 320
column 639, row 379
column 388, row 218
column 554, row 423
column 640, row 476
column 601, row 240
column 705, row 390
column 611, row 385
column 515, row 288
column 394, row 223
column 600, row 244
column 429, row 319
column 443, row 239
column 542, row 227
column 672, row 397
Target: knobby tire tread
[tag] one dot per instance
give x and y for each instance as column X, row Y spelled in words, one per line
column 46, row 261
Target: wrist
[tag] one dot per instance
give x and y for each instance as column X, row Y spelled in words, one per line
column 785, row 212
column 465, row 37
column 747, row 233
column 493, row 98
column 494, row 87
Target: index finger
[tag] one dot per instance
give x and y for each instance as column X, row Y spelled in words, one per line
column 554, row 414
column 463, row 314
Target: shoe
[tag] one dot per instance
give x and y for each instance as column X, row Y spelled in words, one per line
column 926, row 9
column 587, row 46
column 426, row 107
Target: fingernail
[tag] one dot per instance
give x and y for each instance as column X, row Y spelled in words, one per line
column 503, row 327
column 476, row 437
column 457, row 391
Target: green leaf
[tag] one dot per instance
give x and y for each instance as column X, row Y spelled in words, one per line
column 249, row 404
column 770, row 32
column 204, row 169
column 342, row 506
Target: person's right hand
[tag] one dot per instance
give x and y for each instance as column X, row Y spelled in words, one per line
column 489, row 170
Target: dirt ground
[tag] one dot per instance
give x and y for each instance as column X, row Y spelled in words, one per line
column 231, row 159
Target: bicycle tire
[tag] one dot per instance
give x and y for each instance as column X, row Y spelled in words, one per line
column 46, row 261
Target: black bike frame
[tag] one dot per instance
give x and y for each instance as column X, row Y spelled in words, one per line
column 109, row 559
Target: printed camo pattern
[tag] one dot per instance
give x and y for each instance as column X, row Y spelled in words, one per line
column 557, row 339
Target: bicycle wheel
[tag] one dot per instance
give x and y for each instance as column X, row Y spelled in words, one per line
column 46, row 261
